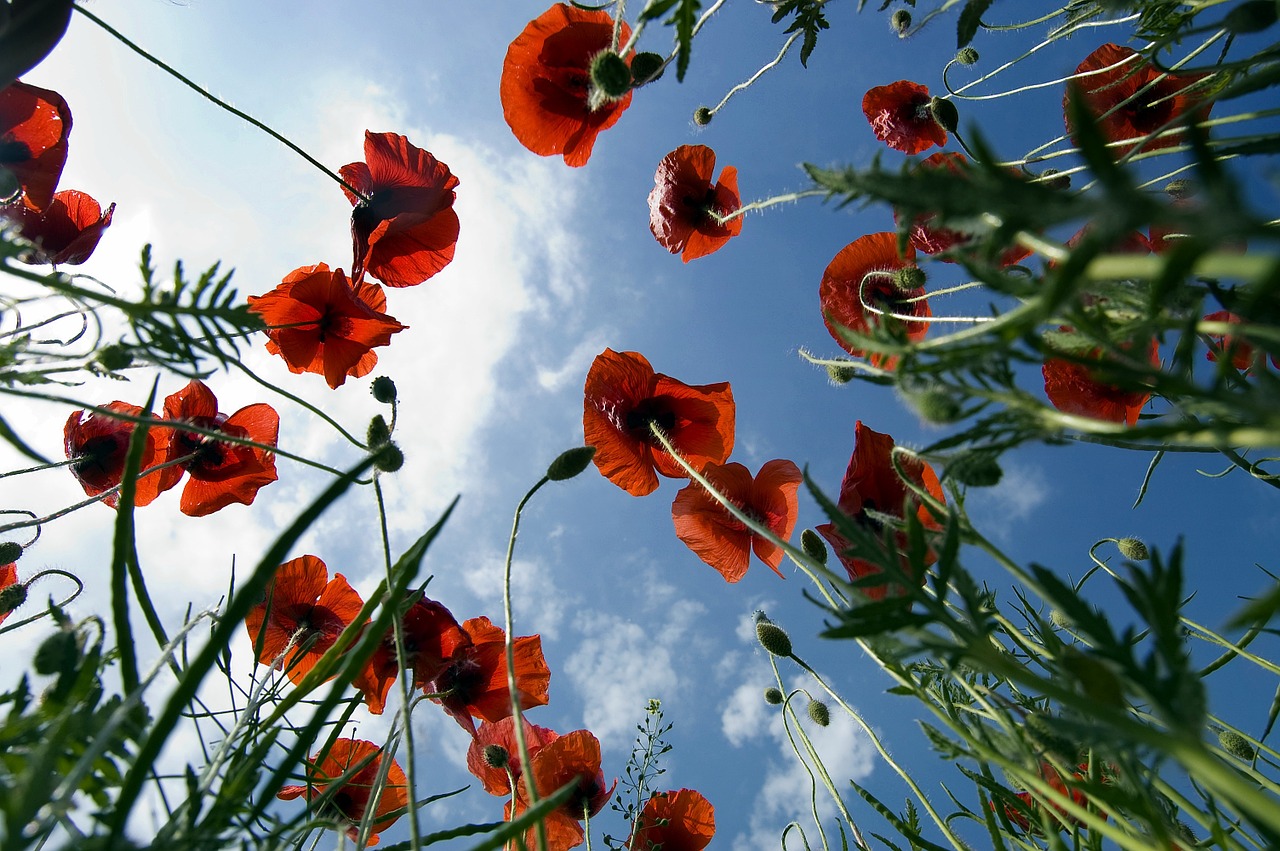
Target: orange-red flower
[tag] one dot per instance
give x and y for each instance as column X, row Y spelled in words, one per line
column 624, row 396
column 872, row 485
column 1075, row 388
column 684, row 198
column 860, row 286
column 432, row 637
column 100, row 442
column 475, row 682
column 901, row 118
column 572, row 758
column 501, row 733
column 348, row 805
column 1220, row 345
column 547, row 96
column 1130, row 99
column 301, row 616
column 319, row 323
column 34, row 125
column 404, row 229
column 218, row 472
column 8, row 578
column 719, row 538
column 1060, row 817
column 65, row 233
column 682, row 820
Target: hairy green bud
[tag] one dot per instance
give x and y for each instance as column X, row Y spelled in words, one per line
column 909, row 278
column 900, row 22
column 1133, row 549
column 841, row 374
column 57, row 653
column 935, row 404
column 646, row 67
column 570, row 463
column 967, row 56
column 773, row 696
column 496, row 756
column 12, row 596
column 1236, row 745
column 773, row 638
column 977, row 469
column 1055, row 180
column 610, row 74
column 383, row 389
column 113, row 357
column 819, row 713
column 813, row 545
column 944, row 112
column 702, row 116
column 389, row 458
column 10, row 551
column 378, row 432
column 1180, row 189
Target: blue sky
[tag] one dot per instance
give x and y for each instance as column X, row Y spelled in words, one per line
column 554, row 265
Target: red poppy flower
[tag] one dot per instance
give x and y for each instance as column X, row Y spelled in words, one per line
column 928, row 238
column 624, row 396
column 501, row 733
column 65, row 233
column 674, row 821
column 1240, row 350
column 475, row 682
column 404, row 230
column 350, row 803
column 1130, row 99
column 432, row 637
column 861, row 277
column 872, row 485
column 301, row 616
column 34, row 125
column 720, row 539
column 683, row 199
column 101, row 442
column 547, row 95
column 319, row 323
column 1062, row 819
column 901, row 118
column 574, row 757
column 1075, row 388
column 8, row 578
column 220, row 473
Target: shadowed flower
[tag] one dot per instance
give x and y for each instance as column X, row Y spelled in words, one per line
column 721, row 540
column 349, row 803
column 1240, row 350
column 1077, row 388
column 8, row 579
column 901, row 117
column 65, row 233
column 624, row 396
column 572, row 758
column 475, row 682
column 871, row 491
column 1060, row 817
column 301, row 615
column 101, row 442
column 683, row 199
column 406, row 230
column 501, row 734
column 1130, row 99
column 547, row 96
column 319, row 323
column 34, row 124
column 682, row 820
column 218, row 472
column 432, row 637
column 859, row 286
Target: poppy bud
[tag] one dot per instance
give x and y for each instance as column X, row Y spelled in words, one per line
column 900, row 22
column 1180, row 189
column 819, row 713
column 967, row 56
column 570, row 463
column 383, row 389
column 1133, row 549
column 646, row 67
column 841, row 374
column 909, row 278
column 378, row 432
column 702, row 116
column 773, row 638
column 389, row 458
column 944, row 112
column 773, row 696
column 610, row 74
column 1054, row 180
column 1236, row 745
column 1250, row 17
column 1059, row 618
column 12, row 596
column 935, row 404
column 10, row 551
column 57, row 653
column 813, row 545
column 977, row 469
column 496, row 756
column 113, row 357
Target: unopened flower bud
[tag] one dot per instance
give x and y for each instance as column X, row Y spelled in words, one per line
column 1250, row 17
column 944, row 112
column 819, row 713
column 113, row 357
column 1180, row 189
column 967, row 56
column 570, row 463
column 1236, row 745
column 10, row 551
column 646, row 67
column 389, row 458
column 1133, row 549
column 1059, row 618
column 378, row 432
column 57, row 653
column 773, row 696
column 909, row 278
column 12, row 596
column 383, row 389
column 773, row 638
column 813, row 545
column 496, row 756
column 977, row 469
column 1055, row 180
column 702, row 116
column 610, row 74
column 935, row 404
column 900, row 22
column 841, row 374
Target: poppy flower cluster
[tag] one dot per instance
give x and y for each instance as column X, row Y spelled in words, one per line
column 1075, row 387
column 219, row 471
column 684, row 203
column 873, row 495
column 63, row 227
column 902, row 116
column 571, row 758
column 352, row 767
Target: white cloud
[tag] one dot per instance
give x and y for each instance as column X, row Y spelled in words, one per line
column 1022, row 490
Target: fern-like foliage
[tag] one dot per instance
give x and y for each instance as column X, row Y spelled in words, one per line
column 808, row 19
column 684, row 16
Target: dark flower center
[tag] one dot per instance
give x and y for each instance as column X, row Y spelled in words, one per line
column 649, row 412
column 101, row 457
column 13, row 151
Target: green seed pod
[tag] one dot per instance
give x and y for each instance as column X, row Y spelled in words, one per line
column 496, row 756
column 10, row 551
column 702, row 116
column 977, row 469
column 773, row 696
column 389, row 458
column 1133, row 549
column 819, row 713
column 383, row 389
column 611, row 74
column 1236, row 745
column 12, row 596
column 944, row 112
column 773, row 638
column 967, row 56
column 813, row 545
column 840, row 374
column 378, row 432
column 900, row 22
column 570, row 463
column 646, row 67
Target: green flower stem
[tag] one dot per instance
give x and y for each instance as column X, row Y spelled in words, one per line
column 1233, row 649
column 205, row 93
column 789, row 720
column 48, row 571
column 298, row 400
column 767, row 67
column 785, row 198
